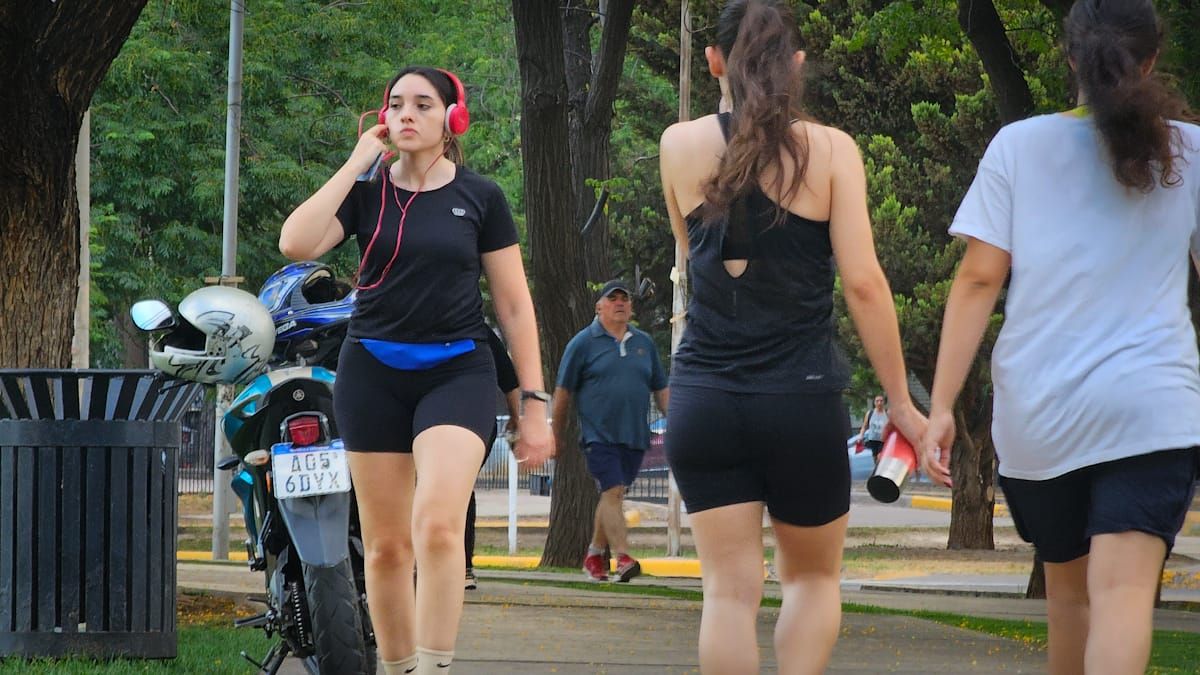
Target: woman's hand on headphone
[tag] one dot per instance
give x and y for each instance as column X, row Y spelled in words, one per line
column 371, row 145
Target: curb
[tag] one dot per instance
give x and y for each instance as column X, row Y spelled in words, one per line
column 633, row 518
column 654, row 567
column 944, row 503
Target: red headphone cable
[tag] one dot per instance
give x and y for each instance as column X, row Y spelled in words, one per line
column 379, row 224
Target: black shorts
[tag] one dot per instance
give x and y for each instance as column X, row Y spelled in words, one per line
column 786, row 450
column 875, row 447
column 1148, row 493
column 381, row 409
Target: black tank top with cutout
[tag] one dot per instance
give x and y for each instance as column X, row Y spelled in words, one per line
column 771, row 329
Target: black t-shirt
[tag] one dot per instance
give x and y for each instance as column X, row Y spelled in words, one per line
column 431, row 293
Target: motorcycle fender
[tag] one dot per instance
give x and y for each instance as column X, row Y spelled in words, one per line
column 320, row 527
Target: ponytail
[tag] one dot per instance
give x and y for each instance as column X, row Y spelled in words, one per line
column 759, row 40
column 1111, row 43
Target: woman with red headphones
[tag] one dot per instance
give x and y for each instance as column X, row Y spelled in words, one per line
column 416, row 387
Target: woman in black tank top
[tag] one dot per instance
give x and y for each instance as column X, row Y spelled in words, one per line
column 765, row 206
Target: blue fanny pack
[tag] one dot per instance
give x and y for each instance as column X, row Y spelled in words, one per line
column 411, row 356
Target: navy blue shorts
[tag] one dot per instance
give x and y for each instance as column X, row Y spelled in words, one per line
column 613, row 465
column 1148, row 493
column 785, row 450
column 381, row 409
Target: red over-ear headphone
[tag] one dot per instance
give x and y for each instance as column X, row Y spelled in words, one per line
column 458, row 118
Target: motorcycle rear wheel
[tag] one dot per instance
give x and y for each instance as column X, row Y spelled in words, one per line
column 336, row 623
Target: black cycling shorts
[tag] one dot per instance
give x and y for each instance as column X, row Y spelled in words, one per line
column 786, row 450
column 381, row 409
column 1148, row 493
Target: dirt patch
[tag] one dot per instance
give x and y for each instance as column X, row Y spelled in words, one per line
column 212, row 608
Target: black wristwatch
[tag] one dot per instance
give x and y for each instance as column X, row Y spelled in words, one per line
column 536, row 394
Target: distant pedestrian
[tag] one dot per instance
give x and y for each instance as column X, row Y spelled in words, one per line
column 872, row 428
column 609, row 370
column 1089, row 215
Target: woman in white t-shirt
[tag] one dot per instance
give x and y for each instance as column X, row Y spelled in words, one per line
column 1093, row 212
column 872, row 428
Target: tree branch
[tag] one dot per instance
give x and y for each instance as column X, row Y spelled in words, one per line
column 158, row 90
column 322, row 86
column 609, row 63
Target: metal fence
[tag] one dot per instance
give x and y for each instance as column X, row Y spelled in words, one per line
column 196, row 451
column 196, row 458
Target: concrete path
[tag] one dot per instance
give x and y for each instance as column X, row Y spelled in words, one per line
column 509, row 628
column 512, row 626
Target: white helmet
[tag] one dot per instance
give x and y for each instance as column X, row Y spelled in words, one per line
column 224, row 336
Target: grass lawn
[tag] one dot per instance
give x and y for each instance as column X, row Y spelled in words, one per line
column 203, row 648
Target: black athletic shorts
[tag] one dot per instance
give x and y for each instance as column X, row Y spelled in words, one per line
column 786, row 450
column 381, row 409
column 1148, row 493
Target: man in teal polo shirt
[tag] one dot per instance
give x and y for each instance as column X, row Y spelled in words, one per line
column 610, row 369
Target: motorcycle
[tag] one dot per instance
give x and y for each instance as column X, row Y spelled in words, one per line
column 290, row 468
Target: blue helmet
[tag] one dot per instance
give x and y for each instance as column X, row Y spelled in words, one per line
column 305, row 300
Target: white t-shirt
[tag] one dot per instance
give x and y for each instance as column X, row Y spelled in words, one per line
column 1097, row 357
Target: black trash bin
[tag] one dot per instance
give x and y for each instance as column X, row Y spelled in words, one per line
column 88, row 517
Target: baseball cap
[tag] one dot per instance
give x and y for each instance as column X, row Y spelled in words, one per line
column 614, row 285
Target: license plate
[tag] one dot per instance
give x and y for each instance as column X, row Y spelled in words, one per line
column 309, row 470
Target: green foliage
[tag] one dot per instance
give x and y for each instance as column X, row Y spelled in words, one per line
column 904, row 80
column 159, row 129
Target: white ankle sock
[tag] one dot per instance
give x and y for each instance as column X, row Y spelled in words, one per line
column 406, row 666
column 433, row 662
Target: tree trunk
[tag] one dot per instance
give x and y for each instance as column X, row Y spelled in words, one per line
column 983, row 27
column 1036, row 589
column 559, row 287
column 133, row 342
column 55, row 56
column 972, row 470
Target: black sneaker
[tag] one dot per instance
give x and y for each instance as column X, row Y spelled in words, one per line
column 471, row 583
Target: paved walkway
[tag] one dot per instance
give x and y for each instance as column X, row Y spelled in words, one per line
column 511, row 625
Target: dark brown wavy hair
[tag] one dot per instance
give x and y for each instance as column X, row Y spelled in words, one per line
column 446, row 91
column 759, row 39
column 1109, row 43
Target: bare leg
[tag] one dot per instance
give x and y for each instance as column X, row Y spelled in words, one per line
column 611, row 516
column 1067, row 615
column 383, row 486
column 729, row 541
column 1122, row 580
column 598, row 539
column 447, row 460
column 808, row 561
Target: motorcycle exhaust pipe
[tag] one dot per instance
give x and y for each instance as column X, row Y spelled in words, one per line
column 897, row 462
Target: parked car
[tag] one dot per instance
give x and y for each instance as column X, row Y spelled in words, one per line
column 861, row 463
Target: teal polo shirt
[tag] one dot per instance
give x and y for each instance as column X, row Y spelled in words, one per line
column 611, row 381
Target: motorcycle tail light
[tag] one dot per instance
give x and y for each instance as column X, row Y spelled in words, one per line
column 305, row 430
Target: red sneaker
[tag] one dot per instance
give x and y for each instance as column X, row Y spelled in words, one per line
column 627, row 568
column 593, row 566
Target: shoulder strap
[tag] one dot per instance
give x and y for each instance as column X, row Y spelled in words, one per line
column 725, row 119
